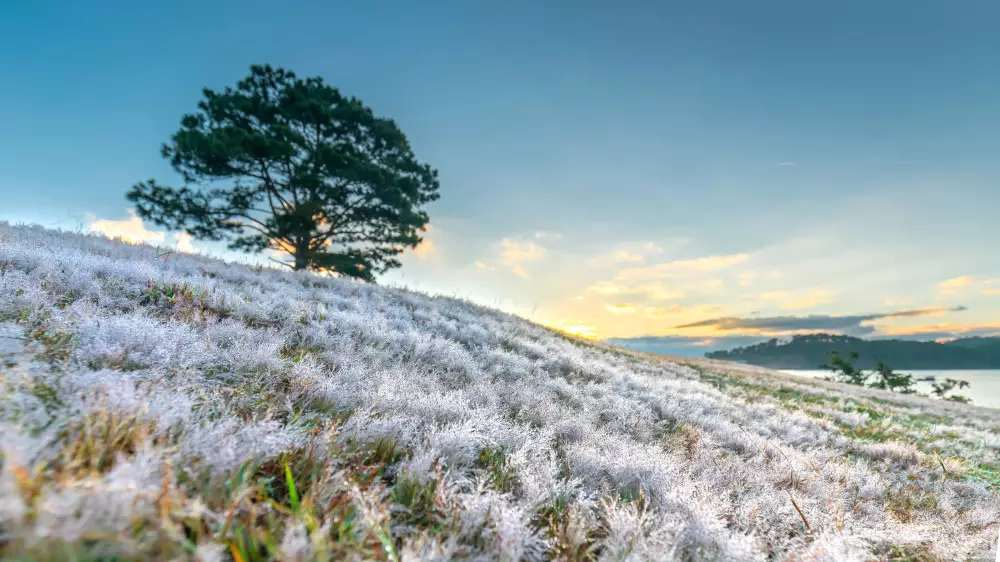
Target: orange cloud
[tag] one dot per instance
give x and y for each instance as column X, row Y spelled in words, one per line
column 955, row 285
column 425, row 249
column 620, row 308
column 130, row 230
column 514, row 254
column 952, row 328
column 134, row 231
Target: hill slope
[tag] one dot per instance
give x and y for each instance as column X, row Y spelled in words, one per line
column 812, row 350
column 165, row 408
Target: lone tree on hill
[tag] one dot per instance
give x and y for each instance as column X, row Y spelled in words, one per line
column 293, row 165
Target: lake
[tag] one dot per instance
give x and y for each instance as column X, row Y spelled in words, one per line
column 984, row 385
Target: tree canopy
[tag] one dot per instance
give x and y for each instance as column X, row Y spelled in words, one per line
column 291, row 164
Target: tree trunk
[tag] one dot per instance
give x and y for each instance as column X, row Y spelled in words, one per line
column 301, row 254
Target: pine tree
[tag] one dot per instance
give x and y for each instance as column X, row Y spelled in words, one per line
column 289, row 164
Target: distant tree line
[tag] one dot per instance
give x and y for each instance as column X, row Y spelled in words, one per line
column 811, row 352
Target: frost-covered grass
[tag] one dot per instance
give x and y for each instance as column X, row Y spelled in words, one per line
column 164, row 408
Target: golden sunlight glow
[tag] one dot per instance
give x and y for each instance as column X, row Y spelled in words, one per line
column 581, row 331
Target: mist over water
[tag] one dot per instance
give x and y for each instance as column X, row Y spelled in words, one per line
column 984, row 385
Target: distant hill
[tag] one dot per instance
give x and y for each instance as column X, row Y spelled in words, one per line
column 811, row 351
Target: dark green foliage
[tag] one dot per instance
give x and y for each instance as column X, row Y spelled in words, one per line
column 882, row 376
column 885, row 378
column 808, row 351
column 844, row 370
column 291, row 164
column 941, row 389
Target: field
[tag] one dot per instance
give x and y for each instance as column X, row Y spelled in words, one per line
column 165, row 407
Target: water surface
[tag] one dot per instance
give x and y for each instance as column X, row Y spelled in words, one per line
column 984, row 385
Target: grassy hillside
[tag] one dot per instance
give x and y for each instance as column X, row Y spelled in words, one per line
column 175, row 407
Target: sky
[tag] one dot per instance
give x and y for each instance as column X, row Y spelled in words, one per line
column 698, row 175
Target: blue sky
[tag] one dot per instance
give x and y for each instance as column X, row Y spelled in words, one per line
column 834, row 160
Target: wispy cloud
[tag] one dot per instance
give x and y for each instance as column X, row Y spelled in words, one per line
column 942, row 331
column 630, row 253
column 676, row 310
column 620, row 308
column 966, row 283
column 675, row 268
column 955, row 285
column 856, row 324
column 785, row 164
column 515, row 254
column 624, row 256
column 654, row 292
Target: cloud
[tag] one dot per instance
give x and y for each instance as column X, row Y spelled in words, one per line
column 624, row 256
column 785, row 164
column 955, row 285
column 683, row 345
column 629, row 253
column 697, row 346
column 795, row 300
column 514, row 254
column 656, row 291
column 678, row 310
column 665, row 312
column 854, row 324
column 517, row 252
column 426, row 248
column 620, row 308
column 131, row 230
column 965, row 283
column 813, row 298
column 675, row 268
column 184, row 243
column 747, row 278
column 608, row 288
column 134, row 231
column 944, row 331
